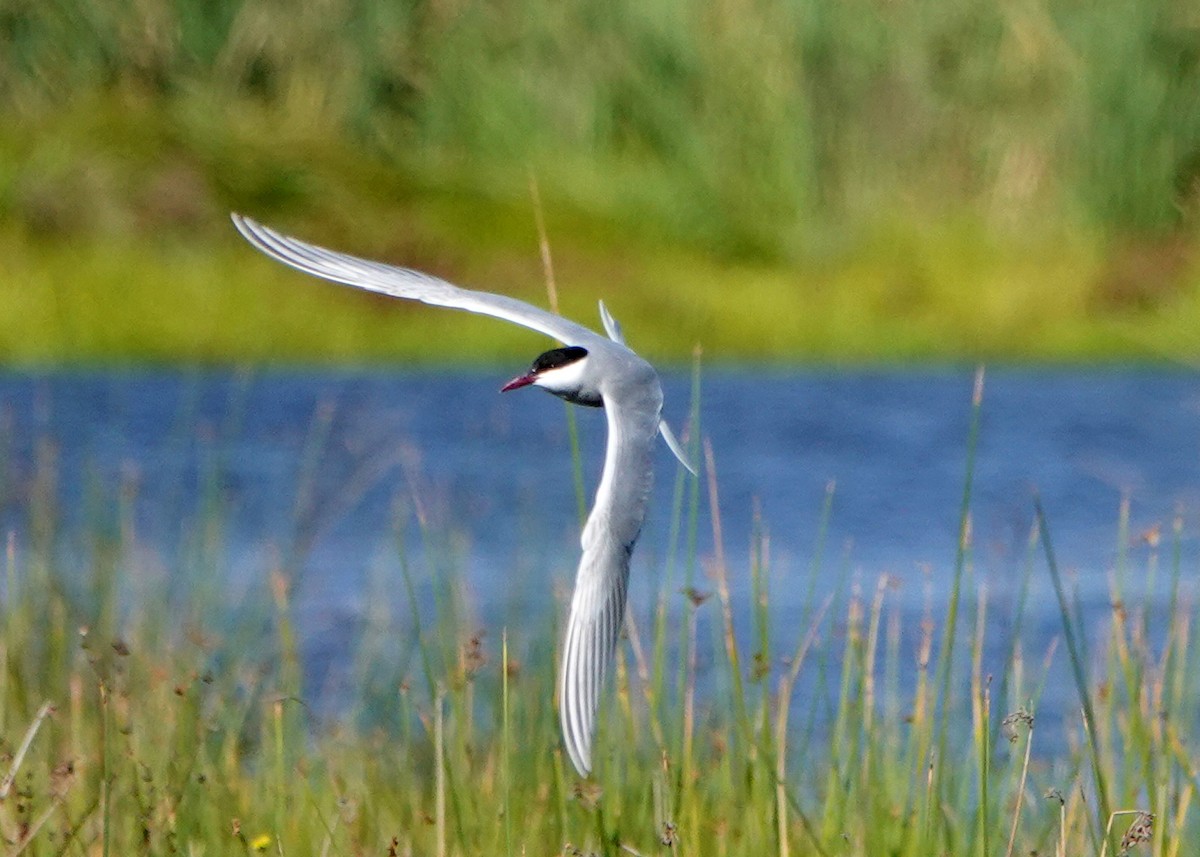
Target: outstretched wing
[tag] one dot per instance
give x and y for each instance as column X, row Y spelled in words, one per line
column 406, row 283
column 598, row 605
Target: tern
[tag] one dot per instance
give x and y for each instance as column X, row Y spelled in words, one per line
column 587, row 370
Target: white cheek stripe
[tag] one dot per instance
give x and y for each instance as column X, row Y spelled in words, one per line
column 569, row 377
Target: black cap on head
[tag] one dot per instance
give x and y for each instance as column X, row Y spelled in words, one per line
column 553, row 359
column 557, row 357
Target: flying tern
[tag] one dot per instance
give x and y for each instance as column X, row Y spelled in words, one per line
column 587, row 370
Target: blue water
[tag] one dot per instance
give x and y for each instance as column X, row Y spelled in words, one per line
column 318, row 473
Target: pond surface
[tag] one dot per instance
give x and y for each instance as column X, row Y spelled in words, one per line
column 215, row 478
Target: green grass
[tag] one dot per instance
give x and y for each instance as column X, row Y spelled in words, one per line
column 195, row 292
column 830, row 180
column 736, row 124
column 191, row 731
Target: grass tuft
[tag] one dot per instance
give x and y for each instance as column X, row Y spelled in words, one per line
column 731, row 728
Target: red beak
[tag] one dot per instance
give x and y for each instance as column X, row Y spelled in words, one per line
column 519, row 382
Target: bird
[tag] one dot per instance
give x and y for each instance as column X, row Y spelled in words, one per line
column 587, row 369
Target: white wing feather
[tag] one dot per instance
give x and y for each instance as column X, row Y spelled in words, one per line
column 611, row 326
column 598, row 604
column 406, row 283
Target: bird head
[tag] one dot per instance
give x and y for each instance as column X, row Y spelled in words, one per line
column 559, row 371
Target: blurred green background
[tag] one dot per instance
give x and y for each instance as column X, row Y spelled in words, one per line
column 841, row 180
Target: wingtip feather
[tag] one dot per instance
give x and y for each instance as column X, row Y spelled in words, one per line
column 676, row 447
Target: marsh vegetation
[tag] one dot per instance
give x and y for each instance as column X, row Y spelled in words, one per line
column 835, row 180
column 148, row 708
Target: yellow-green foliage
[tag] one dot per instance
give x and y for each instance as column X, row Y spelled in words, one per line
column 834, row 180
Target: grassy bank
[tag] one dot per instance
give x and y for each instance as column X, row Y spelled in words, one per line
column 125, row 728
column 828, row 180
column 116, row 259
column 739, row 125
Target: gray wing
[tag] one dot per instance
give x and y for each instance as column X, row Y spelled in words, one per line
column 405, row 283
column 598, row 605
column 613, row 328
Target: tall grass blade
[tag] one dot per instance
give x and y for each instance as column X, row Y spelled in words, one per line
column 552, row 294
column 440, row 765
column 19, row 756
column 692, row 598
column 1018, row 624
column 506, row 744
column 1103, row 811
column 783, row 795
column 107, row 775
column 946, row 650
column 1025, row 718
column 679, row 508
column 721, row 573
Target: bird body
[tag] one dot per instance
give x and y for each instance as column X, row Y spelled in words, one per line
column 589, row 370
